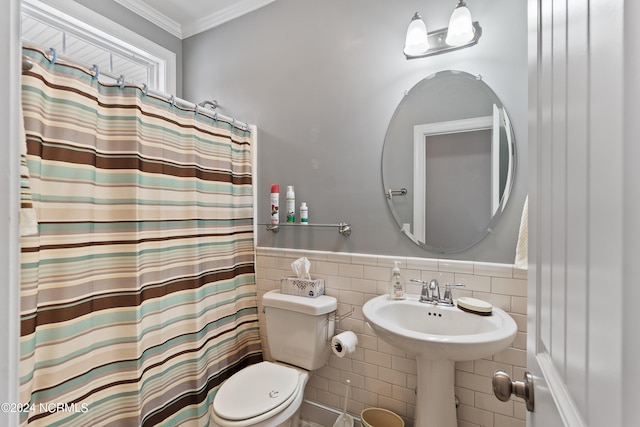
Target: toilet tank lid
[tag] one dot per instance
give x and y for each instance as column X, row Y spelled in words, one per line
column 313, row 306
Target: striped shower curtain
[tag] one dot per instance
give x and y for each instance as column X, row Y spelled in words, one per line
column 138, row 294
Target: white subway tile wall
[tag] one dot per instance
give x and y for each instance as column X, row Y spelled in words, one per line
column 383, row 376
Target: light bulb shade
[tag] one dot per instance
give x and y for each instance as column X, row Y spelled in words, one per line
column 417, row 41
column 460, row 26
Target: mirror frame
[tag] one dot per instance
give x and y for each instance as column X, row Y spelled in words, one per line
column 392, row 192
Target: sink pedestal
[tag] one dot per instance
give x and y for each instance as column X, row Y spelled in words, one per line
column 435, row 398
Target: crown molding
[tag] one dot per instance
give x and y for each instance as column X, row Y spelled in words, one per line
column 154, row 16
column 239, row 8
column 227, row 14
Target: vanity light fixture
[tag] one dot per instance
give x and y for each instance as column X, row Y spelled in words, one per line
column 460, row 29
column 417, row 41
column 462, row 32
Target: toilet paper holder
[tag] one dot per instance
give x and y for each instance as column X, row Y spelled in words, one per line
column 336, row 318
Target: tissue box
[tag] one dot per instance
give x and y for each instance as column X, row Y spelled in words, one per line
column 311, row 288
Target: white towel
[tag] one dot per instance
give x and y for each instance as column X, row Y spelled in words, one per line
column 523, row 238
column 28, row 219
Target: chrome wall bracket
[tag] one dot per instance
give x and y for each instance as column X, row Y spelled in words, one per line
column 401, row 192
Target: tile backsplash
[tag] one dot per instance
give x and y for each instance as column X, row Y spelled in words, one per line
column 383, row 376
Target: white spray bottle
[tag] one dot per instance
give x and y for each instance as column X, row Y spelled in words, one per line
column 291, row 204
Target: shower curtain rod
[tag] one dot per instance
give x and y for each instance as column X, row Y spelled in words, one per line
column 120, row 79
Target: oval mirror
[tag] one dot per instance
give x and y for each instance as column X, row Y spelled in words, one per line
column 448, row 161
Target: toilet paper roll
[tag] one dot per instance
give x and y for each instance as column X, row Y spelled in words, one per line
column 344, row 343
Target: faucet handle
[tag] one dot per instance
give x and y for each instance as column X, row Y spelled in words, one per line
column 447, row 291
column 424, row 295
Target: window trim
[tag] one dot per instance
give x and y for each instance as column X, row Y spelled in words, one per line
column 101, row 30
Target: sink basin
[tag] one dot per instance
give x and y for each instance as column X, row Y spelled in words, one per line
column 438, row 336
column 439, row 332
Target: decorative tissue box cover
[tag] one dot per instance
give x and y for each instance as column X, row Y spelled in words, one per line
column 311, row 288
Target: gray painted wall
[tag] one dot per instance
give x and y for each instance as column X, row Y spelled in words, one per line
column 123, row 16
column 321, row 80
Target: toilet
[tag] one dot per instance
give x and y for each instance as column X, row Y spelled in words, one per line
column 269, row 394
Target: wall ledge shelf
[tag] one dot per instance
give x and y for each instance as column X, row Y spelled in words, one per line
column 343, row 227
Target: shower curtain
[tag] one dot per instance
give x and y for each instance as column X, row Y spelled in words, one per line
column 138, row 294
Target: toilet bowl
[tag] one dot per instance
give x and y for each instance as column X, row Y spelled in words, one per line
column 269, row 394
column 263, row 395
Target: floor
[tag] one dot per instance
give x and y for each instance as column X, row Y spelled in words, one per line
column 304, row 423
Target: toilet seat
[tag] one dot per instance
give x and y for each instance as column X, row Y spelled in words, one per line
column 256, row 393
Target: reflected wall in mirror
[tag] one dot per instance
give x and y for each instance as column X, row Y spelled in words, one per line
column 450, row 145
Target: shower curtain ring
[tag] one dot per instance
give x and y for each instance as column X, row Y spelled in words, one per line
column 145, row 89
column 54, row 55
column 96, row 72
column 173, row 100
column 121, row 81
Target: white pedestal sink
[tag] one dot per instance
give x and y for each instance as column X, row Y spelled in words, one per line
column 438, row 336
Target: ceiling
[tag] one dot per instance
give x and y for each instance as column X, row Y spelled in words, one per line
column 185, row 18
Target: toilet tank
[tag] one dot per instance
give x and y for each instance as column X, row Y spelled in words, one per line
column 299, row 329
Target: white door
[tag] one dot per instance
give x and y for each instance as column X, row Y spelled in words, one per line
column 583, row 209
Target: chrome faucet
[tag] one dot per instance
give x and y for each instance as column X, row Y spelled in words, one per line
column 435, row 290
column 431, row 292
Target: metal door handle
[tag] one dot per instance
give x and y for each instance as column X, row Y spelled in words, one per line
column 503, row 387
